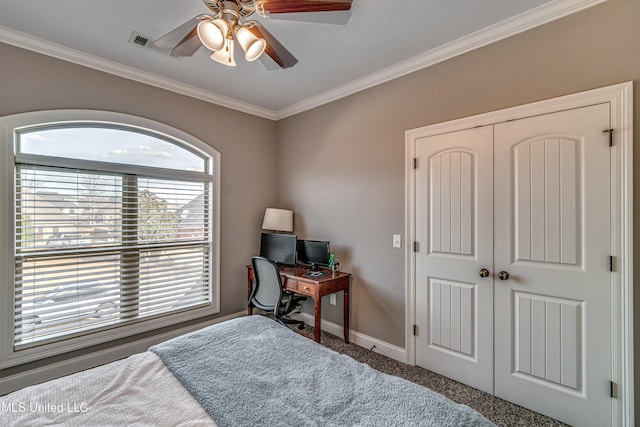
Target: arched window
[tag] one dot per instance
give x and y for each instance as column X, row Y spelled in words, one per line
column 114, row 229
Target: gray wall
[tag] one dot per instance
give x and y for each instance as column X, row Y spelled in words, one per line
column 342, row 165
column 29, row 82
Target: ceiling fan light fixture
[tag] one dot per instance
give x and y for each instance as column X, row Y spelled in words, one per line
column 229, row 24
column 253, row 46
column 225, row 55
column 212, row 33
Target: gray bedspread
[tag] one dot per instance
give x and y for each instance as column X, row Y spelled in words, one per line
column 253, row 371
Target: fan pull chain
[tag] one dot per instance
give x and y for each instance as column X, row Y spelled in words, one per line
column 228, row 42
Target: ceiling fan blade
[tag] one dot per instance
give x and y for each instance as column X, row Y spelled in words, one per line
column 182, row 41
column 292, row 6
column 336, row 17
column 274, row 50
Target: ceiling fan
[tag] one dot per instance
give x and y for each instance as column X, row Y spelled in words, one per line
column 229, row 24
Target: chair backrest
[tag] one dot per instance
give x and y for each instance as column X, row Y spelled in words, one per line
column 267, row 290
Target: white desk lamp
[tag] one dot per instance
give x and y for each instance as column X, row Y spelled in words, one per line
column 278, row 220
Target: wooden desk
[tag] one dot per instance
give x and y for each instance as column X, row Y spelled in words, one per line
column 294, row 281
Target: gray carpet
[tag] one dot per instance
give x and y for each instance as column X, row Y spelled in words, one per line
column 499, row 411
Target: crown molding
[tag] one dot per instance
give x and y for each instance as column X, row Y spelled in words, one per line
column 64, row 53
column 507, row 28
column 502, row 30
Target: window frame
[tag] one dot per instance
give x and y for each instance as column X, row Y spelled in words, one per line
column 10, row 126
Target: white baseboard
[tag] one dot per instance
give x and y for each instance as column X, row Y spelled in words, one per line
column 66, row 367
column 374, row 344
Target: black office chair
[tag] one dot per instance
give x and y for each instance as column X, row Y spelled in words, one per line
column 269, row 294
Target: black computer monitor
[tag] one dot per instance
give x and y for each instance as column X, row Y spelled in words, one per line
column 279, row 248
column 314, row 253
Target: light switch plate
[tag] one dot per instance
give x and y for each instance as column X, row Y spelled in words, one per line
column 397, row 241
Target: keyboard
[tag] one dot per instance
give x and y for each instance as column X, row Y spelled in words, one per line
column 315, row 274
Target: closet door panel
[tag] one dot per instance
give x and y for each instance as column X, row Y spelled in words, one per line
column 553, row 237
column 454, row 228
column 546, row 213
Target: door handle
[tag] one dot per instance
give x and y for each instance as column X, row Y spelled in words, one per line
column 484, row 272
column 503, row 275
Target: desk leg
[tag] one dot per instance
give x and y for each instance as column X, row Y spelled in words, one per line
column 317, row 313
column 346, row 316
column 249, row 286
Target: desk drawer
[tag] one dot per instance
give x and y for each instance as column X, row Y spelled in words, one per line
column 301, row 287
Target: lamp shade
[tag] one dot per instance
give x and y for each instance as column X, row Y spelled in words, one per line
column 212, row 33
column 253, row 46
column 225, row 55
column 278, row 220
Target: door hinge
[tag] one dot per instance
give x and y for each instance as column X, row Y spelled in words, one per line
column 610, row 132
column 612, row 390
column 611, row 263
column 416, row 246
column 415, row 163
column 415, row 330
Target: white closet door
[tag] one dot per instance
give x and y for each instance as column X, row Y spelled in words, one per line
column 454, row 218
column 553, row 238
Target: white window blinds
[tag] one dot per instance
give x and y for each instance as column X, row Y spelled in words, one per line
column 97, row 249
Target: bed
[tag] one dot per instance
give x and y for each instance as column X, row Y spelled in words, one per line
column 243, row 372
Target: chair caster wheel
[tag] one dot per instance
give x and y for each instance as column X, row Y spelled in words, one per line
column 300, row 327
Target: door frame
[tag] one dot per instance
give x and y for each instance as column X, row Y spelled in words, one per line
column 620, row 98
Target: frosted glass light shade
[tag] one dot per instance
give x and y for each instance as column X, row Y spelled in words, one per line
column 253, row 46
column 212, row 33
column 278, row 220
column 225, row 55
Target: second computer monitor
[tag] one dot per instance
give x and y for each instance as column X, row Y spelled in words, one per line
column 315, row 253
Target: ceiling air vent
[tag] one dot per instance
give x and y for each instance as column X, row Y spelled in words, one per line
column 138, row 39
